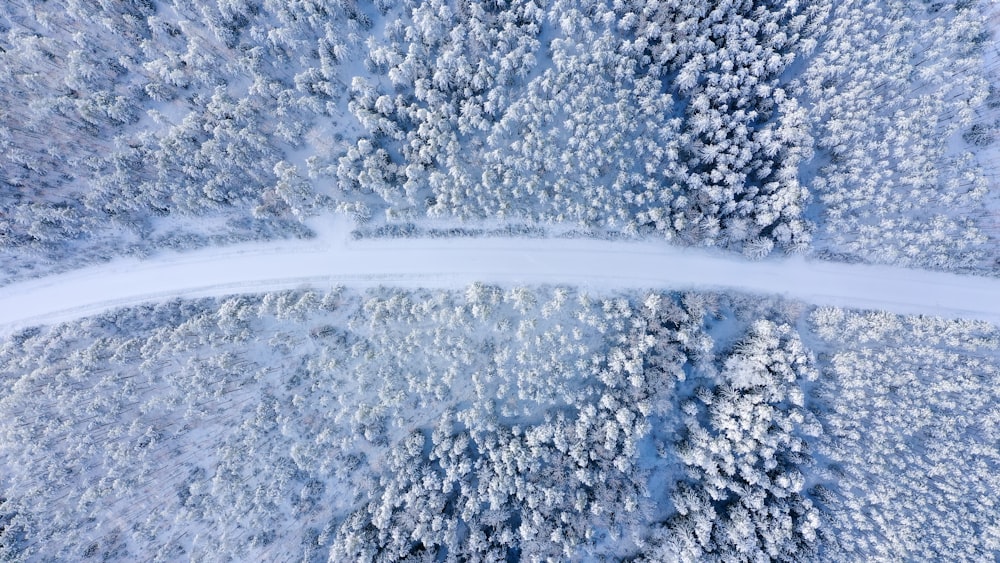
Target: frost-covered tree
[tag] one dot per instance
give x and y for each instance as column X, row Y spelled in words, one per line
column 672, row 122
column 910, row 412
column 745, row 451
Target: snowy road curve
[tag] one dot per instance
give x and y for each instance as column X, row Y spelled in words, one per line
column 334, row 259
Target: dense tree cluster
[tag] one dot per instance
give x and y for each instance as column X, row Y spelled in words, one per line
column 746, row 452
column 668, row 117
column 498, row 423
column 544, row 464
column 122, row 119
column 234, row 428
column 176, row 123
column 912, row 427
column 891, row 89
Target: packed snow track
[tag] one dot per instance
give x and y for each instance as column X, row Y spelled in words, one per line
column 334, row 259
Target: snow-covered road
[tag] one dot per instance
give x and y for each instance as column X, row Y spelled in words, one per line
column 334, row 259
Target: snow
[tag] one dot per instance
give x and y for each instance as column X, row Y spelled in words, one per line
column 333, row 258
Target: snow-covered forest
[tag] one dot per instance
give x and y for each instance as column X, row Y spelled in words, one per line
column 515, row 418
column 543, row 423
column 851, row 130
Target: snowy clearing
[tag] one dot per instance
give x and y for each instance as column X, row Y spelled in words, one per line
column 334, row 259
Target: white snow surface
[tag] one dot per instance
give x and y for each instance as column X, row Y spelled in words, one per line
column 333, row 258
